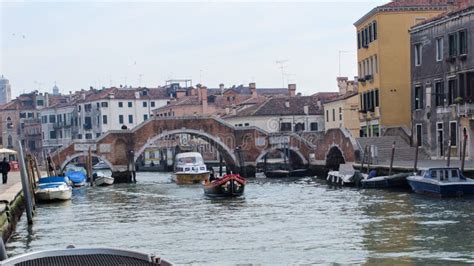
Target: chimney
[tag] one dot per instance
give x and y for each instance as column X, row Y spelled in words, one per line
column 227, row 110
column 137, row 95
column 291, row 90
column 306, row 109
column 342, row 85
column 180, row 94
column 287, row 103
column 199, row 92
column 203, row 94
column 46, row 99
column 253, row 89
column 318, row 103
column 221, row 88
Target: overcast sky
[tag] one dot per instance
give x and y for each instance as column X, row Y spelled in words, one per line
column 83, row 44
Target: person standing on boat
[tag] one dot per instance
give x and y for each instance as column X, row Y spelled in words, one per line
column 5, row 168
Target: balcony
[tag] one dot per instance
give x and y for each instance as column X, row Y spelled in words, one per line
column 466, row 109
column 61, row 125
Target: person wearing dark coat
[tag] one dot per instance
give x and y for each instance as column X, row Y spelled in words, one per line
column 4, row 168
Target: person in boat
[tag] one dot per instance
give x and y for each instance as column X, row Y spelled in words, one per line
column 5, row 168
column 372, row 174
column 212, row 174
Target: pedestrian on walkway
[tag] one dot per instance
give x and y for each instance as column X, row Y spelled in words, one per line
column 4, row 168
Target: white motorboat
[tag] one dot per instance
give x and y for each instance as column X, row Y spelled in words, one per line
column 53, row 188
column 190, row 168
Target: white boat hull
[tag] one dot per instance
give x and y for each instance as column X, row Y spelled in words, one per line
column 54, row 194
column 104, row 181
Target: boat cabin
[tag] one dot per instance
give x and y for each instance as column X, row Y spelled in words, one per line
column 189, row 162
column 444, row 174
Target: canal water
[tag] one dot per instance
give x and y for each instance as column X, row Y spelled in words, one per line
column 277, row 222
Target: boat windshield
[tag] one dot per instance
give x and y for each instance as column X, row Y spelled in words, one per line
column 189, row 160
column 444, row 174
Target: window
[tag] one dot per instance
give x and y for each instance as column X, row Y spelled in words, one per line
column 246, row 124
column 371, row 36
column 439, row 93
column 452, row 91
column 104, row 119
column 52, row 119
column 44, row 119
column 374, row 29
column 333, row 115
column 79, row 136
column 358, row 40
column 327, row 115
column 88, row 136
column 360, row 69
column 418, row 50
column 97, row 135
column 340, row 113
column 439, row 49
column 462, row 35
column 285, row 126
column 376, row 64
column 79, row 108
column 88, row 122
column 130, row 119
column 120, row 104
column 144, row 104
column 145, row 117
column 40, row 102
column 120, row 119
column 299, row 127
column 418, row 135
column 88, row 107
column 129, row 104
column 104, row 104
column 314, row 126
column 152, row 104
column 52, row 134
column 453, row 46
column 376, row 98
column 418, row 97
column 363, row 38
column 453, row 133
column 98, row 105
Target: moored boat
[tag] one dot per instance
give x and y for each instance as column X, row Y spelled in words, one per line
column 230, row 185
column 85, row 256
column 53, row 188
column 77, row 175
column 442, row 181
column 100, row 166
column 102, row 179
column 277, row 173
column 345, row 176
column 390, row 181
column 190, row 168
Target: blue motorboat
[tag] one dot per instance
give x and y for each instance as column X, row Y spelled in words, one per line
column 53, row 188
column 442, row 181
column 77, row 175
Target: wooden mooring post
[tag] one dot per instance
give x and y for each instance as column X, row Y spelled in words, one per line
column 25, row 185
column 416, row 155
column 391, row 159
column 463, row 158
column 449, row 153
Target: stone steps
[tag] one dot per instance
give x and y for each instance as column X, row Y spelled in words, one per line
column 403, row 151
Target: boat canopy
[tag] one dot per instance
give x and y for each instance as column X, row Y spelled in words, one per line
column 53, row 179
column 189, row 158
column 444, row 174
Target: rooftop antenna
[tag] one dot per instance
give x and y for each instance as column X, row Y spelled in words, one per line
column 340, row 52
column 282, row 67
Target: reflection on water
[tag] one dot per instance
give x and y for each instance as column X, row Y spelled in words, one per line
column 277, row 222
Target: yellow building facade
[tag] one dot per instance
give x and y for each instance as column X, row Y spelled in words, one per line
column 383, row 55
column 342, row 112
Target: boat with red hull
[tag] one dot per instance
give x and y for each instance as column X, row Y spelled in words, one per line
column 230, row 185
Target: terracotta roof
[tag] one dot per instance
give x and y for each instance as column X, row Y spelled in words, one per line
column 126, row 93
column 342, row 97
column 278, row 106
column 411, row 5
column 462, row 7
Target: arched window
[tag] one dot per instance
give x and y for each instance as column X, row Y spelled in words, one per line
column 9, row 123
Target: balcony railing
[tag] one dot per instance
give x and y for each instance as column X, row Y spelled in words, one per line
column 466, row 109
column 61, row 125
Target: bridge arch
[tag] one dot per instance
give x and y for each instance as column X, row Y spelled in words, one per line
column 227, row 152
column 293, row 150
column 84, row 154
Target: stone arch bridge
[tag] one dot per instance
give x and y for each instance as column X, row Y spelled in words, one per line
column 239, row 146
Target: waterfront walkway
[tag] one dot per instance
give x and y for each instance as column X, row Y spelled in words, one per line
column 10, row 190
column 407, row 165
